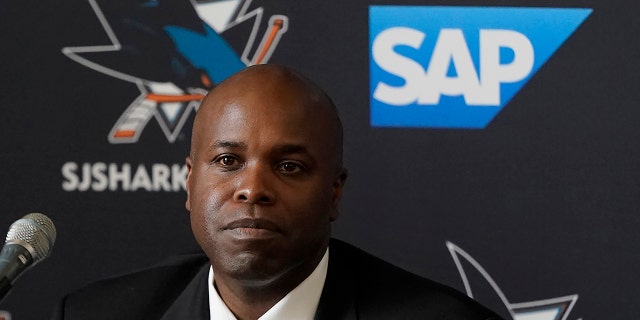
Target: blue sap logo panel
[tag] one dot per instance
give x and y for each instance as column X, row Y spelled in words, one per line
column 457, row 67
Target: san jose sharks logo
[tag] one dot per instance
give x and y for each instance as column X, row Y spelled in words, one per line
column 175, row 51
column 546, row 309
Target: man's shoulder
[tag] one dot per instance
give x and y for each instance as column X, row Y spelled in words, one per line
column 382, row 287
column 182, row 266
column 366, row 266
column 156, row 285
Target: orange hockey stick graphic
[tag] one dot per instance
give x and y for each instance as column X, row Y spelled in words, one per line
column 278, row 25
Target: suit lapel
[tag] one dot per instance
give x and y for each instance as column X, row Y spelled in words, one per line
column 339, row 291
column 193, row 302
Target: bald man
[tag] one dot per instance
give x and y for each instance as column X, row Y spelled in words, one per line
column 265, row 179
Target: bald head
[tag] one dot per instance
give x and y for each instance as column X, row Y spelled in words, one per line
column 277, row 91
column 273, row 77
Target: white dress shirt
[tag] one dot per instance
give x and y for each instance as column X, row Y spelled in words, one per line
column 301, row 303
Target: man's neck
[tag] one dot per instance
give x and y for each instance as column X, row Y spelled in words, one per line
column 248, row 300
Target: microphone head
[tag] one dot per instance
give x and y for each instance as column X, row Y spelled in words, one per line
column 35, row 232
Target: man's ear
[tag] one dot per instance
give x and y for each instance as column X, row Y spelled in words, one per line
column 189, row 164
column 338, row 186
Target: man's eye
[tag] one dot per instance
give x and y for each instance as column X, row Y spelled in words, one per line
column 226, row 161
column 290, row 167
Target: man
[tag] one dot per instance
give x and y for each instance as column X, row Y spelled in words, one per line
column 265, row 179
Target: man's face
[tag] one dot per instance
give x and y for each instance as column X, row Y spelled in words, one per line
column 263, row 182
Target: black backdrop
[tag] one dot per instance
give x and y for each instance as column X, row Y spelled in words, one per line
column 544, row 200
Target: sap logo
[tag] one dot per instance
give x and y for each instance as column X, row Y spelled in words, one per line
column 481, row 89
column 457, row 67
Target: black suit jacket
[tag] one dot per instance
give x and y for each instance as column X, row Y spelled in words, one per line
column 358, row 286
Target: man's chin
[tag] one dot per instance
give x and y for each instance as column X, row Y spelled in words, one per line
column 251, row 269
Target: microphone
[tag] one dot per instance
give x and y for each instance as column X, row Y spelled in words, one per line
column 28, row 242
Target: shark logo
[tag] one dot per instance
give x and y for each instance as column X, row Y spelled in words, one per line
column 547, row 309
column 175, row 51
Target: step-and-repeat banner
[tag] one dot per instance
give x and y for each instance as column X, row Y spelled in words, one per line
column 492, row 145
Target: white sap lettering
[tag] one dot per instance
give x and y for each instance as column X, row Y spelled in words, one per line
column 160, row 173
column 116, row 176
column 390, row 61
column 69, row 173
column 451, row 48
column 141, row 179
column 100, row 182
column 492, row 73
column 179, row 177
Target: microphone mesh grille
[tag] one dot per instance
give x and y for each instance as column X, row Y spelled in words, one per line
column 37, row 236
column 46, row 224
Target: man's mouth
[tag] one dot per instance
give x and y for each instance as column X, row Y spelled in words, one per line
column 252, row 228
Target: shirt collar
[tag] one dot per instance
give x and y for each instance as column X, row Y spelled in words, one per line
column 300, row 303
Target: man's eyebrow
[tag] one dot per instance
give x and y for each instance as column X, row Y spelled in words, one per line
column 282, row 149
column 290, row 149
column 228, row 144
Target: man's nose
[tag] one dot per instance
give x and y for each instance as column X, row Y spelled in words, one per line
column 254, row 186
